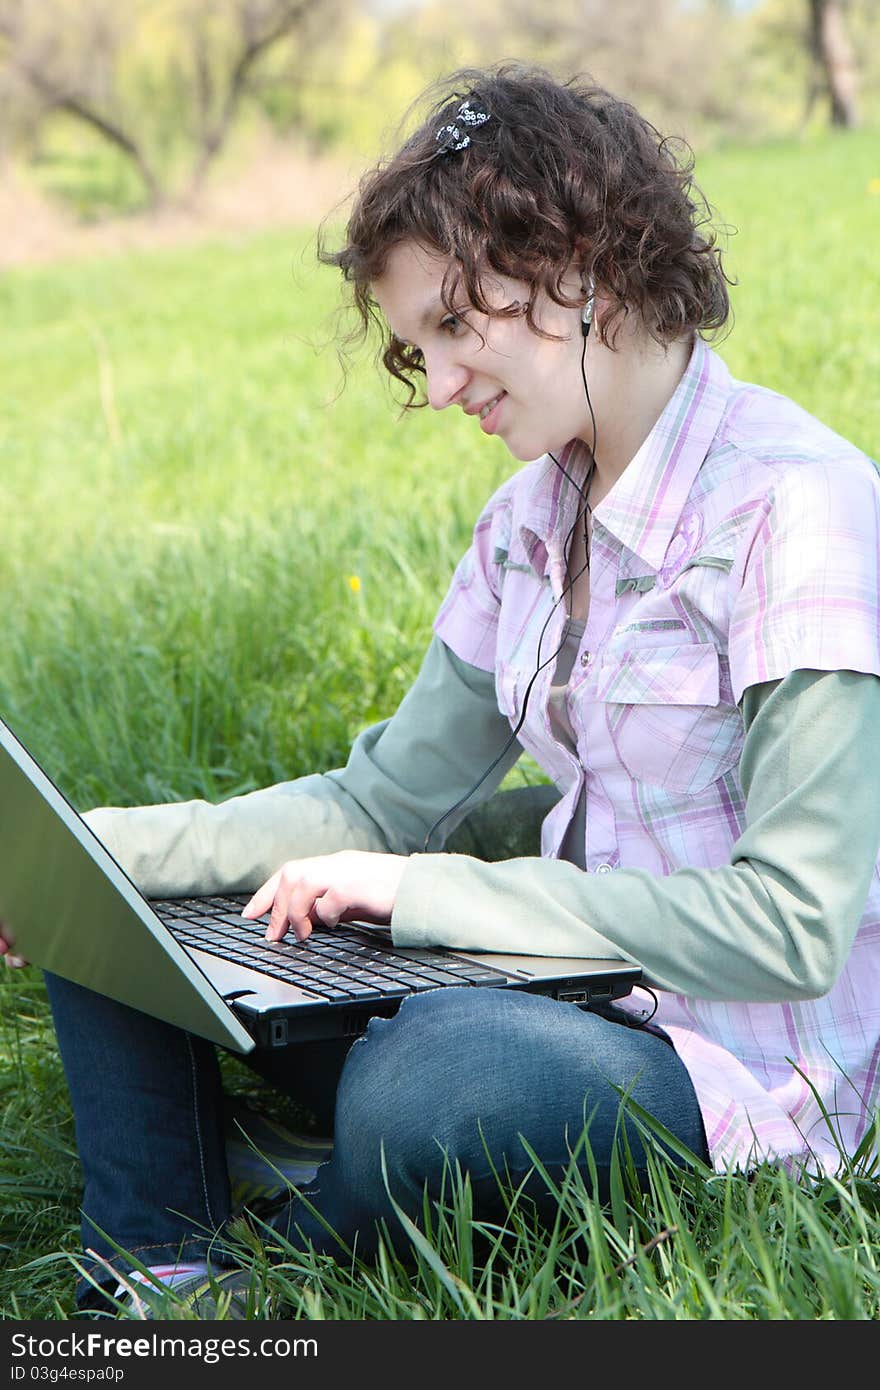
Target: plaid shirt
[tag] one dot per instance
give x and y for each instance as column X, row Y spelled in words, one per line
column 741, row 543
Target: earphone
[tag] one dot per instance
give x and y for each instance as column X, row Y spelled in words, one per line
column 587, row 314
column 583, row 512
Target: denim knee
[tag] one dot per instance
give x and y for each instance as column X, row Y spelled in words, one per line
column 423, row 1089
column 397, row 1097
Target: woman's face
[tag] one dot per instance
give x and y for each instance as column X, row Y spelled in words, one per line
column 522, row 387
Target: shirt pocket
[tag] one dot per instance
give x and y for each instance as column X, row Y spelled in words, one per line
column 664, row 716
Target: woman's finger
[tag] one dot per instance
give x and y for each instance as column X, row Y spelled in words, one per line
column 263, row 899
column 295, row 904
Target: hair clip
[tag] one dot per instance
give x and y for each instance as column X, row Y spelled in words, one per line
column 453, row 136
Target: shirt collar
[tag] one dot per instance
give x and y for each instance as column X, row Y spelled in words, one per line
column 643, row 508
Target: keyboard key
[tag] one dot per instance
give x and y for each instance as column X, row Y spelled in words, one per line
column 389, row 989
column 360, row 992
column 438, row 977
column 475, row 973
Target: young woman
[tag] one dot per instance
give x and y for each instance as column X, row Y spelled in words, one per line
column 673, row 606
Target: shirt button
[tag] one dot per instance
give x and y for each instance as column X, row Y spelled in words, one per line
column 604, row 868
column 586, row 658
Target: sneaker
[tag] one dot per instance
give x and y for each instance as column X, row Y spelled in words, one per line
column 265, row 1158
column 230, row 1295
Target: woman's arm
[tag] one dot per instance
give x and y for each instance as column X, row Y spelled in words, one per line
column 775, row 924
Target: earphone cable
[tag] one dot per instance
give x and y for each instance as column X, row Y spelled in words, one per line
column 583, row 513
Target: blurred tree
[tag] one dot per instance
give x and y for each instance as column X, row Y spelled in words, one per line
column 163, row 83
column 711, row 70
column 819, row 60
column 681, row 63
column 224, row 64
column 833, row 68
column 677, row 62
column 69, row 67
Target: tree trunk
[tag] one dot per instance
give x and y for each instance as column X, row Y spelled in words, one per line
column 118, row 137
column 256, row 43
column 833, row 57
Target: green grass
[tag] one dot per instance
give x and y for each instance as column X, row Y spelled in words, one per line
column 184, row 500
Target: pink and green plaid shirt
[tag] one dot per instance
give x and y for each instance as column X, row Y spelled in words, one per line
column 741, row 543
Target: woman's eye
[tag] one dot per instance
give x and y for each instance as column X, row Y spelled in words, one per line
column 451, row 323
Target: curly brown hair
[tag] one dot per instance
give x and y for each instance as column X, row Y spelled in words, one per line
column 562, row 173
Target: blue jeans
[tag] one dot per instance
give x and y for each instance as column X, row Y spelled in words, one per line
column 457, row 1075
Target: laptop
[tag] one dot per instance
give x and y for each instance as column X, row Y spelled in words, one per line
column 197, row 963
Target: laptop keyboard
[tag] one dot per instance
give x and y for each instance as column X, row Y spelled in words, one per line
column 339, row 964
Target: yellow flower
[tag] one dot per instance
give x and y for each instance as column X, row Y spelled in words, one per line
column 354, row 583
column 874, row 186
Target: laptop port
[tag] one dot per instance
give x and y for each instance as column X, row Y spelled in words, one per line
column 353, row 1025
column 574, row 996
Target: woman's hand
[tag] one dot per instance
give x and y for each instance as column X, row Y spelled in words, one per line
column 7, row 942
column 353, row 885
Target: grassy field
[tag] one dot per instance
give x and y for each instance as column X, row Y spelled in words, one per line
column 185, row 500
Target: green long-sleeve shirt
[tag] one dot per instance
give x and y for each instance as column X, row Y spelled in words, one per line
column 774, row 924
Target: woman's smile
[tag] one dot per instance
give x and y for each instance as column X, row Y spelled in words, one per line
column 489, row 414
